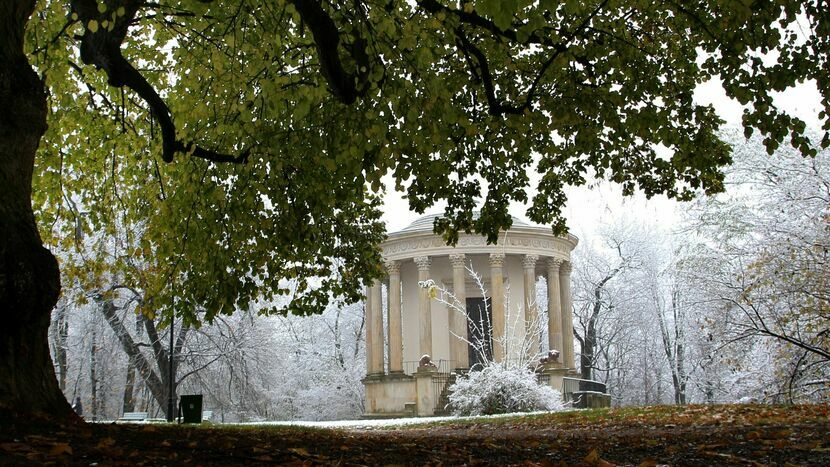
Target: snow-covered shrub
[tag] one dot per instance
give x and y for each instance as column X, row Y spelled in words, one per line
column 501, row 389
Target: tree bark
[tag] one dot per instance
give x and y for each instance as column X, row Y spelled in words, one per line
column 586, row 356
column 675, row 350
column 29, row 276
column 59, row 335
column 93, row 375
column 128, row 403
column 156, row 385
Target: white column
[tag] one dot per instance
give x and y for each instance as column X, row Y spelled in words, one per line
column 394, row 321
column 554, row 307
column 370, row 333
column 377, row 329
column 458, row 318
column 424, row 308
column 531, row 309
column 567, row 315
column 497, row 304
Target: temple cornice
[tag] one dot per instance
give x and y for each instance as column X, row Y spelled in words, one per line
column 540, row 242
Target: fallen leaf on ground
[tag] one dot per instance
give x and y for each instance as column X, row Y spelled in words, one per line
column 300, row 452
column 60, row 449
column 106, row 443
column 15, row 447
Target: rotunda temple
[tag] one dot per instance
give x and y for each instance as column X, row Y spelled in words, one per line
column 415, row 337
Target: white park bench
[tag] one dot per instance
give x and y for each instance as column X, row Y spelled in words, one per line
column 133, row 417
column 207, row 415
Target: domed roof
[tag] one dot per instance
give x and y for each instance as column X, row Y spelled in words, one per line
column 425, row 223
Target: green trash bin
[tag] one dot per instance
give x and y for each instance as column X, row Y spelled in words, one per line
column 190, row 408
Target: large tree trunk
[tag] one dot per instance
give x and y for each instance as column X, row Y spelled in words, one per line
column 128, row 403
column 29, row 277
column 587, row 361
column 93, row 375
column 59, row 330
column 586, row 355
column 128, row 400
column 144, row 367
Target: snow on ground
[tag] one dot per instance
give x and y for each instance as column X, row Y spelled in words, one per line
column 382, row 423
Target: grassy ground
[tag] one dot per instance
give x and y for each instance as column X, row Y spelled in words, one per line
column 692, row 435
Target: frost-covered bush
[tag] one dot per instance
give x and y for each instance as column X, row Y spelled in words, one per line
column 500, row 389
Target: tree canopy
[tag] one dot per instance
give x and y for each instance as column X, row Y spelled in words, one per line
column 281, row 117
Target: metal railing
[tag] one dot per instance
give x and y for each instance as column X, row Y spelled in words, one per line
column 443, row 366
column 441, row 383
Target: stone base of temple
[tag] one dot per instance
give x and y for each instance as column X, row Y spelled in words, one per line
column 554, row 373
column 401, row 395
column 389, row 396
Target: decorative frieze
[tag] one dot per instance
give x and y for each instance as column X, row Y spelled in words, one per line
column 409, row 245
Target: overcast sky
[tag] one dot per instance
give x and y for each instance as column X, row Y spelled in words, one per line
column 588, row 206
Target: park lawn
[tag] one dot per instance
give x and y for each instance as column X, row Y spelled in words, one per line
column 691, row 435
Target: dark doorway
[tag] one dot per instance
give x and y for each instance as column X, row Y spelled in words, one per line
column 479, row 319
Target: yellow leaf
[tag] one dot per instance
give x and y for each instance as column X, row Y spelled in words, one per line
column 300, row 451
column 60, row 449
column 105, row 443
column 92, row 26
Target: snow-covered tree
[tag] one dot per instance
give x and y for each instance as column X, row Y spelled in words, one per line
column 761, row 260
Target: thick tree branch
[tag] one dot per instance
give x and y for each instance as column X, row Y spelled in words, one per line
column 480, row 69
column 327, row 40
column 130, row 347
column 101, row 47
column 155, row 341
column 473, row 19
column 183, row 330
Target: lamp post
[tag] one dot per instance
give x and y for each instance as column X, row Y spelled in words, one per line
column 171, row 403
